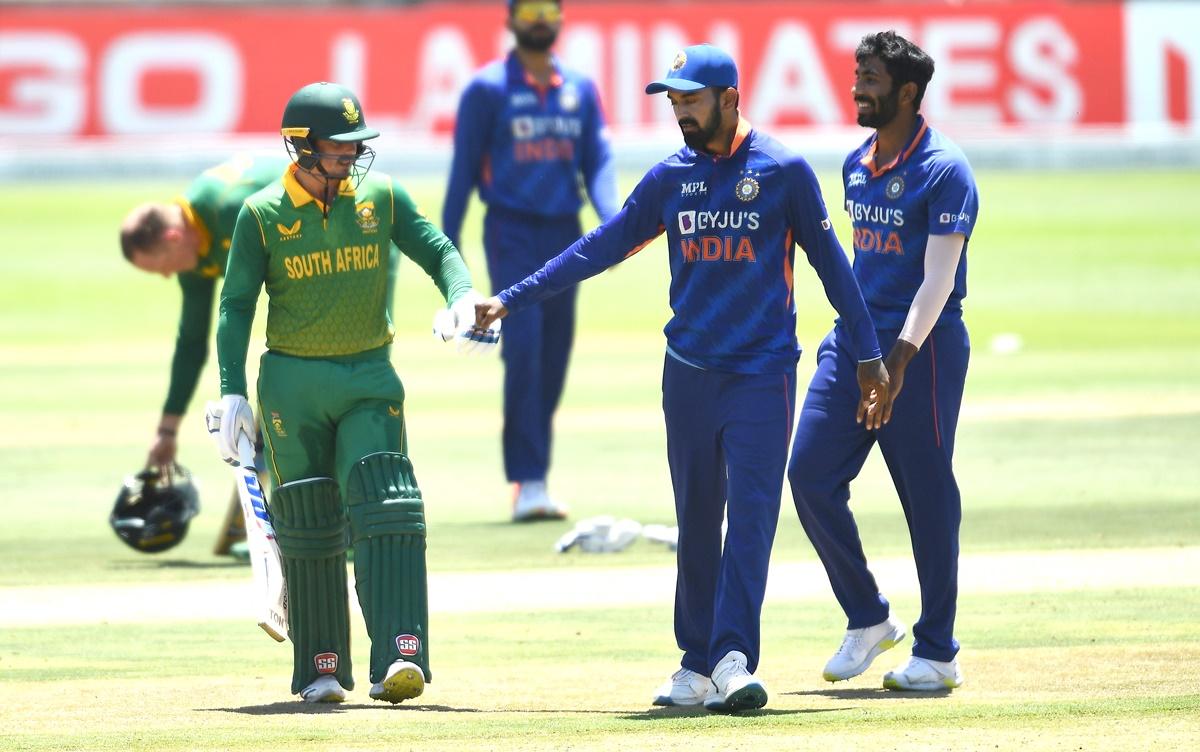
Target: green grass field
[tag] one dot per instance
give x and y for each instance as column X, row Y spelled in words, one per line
column 1082, row 439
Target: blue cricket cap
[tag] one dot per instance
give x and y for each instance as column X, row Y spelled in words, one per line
column 695, row 68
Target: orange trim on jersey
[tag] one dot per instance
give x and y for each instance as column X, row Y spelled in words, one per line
column 647, row 242
column 788, row 277
column 743, row 130
column 197, row 224
column 556, row 80
column 485, row 170
column 868, row 159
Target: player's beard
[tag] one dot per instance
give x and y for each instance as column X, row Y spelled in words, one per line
column 699, row 137
column 537, row 38
column 883, row 109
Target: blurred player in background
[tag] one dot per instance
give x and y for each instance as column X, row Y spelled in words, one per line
column 189, row 238
column 733, row 203
column 527, row 128
column 330, row 402
column 913, row 203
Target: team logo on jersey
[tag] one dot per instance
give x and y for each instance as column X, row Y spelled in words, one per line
column 288, row 233
column 746, row 189
column 349, row 111
column 857, row 179
column 522, row 127
column 894, row 188
column 212, row 271
column 393, row 411
column 364, row 215
column 568, row 97
column 408, row 645
column 277, row 424
column 326, row 663
column 680, row 61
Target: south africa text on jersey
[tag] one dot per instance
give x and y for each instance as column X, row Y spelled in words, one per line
column 351, row 258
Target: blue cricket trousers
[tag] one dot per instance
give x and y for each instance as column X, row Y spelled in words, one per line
column 727, row 443
column 536, row 346
column 918, row 447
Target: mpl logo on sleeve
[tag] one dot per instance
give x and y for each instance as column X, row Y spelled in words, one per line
column 408, row 644
column 326, row 663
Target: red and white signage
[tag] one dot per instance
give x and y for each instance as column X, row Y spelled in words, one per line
column 83, row 72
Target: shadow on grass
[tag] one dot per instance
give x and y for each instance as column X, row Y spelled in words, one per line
column 869, row 693
column 148, row 564
column 295, row 707
column 693, row 711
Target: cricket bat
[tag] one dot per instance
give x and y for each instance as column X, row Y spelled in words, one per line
column 265, row 563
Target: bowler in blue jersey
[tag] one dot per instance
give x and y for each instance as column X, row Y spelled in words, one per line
column 734, row 204
column 527, row 129
column 913, row 204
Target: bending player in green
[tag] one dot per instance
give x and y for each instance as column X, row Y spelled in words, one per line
column 330, row 402
column 189, row 239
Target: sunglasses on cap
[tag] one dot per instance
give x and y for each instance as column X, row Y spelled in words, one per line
column 547, row 11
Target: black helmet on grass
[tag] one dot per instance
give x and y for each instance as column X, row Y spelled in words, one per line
column 152, row 515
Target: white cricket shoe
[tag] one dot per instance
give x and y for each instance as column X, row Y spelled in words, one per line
column 924, row 675
column 403, row 681
column 532, row 502
column 737, row 688
column 860, row 647
column 323, row 689
column 685, row 687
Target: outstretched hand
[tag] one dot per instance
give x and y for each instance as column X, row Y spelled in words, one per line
column 488, row 312
column 458, row 323
column 875, row 401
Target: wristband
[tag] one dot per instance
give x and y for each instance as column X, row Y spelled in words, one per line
column 164, row 431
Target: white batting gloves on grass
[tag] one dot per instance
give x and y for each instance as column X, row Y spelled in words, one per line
column 227, row 420
column 458, row 323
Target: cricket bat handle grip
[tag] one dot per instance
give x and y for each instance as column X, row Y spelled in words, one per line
column 246, row 452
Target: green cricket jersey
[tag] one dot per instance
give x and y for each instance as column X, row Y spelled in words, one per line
column 327, row 278
column 211, row 205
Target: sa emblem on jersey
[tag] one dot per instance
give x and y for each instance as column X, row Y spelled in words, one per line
column 364, row 215
column 288, row 233
column 894, row 188
column 746, row 189
column 393, row 411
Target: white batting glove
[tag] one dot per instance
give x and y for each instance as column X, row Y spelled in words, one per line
column 227, row 421
column 458, row 323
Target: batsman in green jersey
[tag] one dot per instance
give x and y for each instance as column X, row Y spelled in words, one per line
column 331, row 406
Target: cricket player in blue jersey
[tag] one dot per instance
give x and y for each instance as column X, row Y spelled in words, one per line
column 912, row 200
column 733, row 203
column 527, row 128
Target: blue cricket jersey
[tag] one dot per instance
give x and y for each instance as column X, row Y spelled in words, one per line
column 524, row 146
column 732, row 224
column 927, row 190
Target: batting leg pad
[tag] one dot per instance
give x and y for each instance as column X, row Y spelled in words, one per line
column 387, row 527
column 310, row 527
